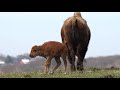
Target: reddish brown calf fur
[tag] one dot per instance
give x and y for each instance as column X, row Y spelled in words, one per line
column 49, row 50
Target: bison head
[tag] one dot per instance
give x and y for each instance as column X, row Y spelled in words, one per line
column 34, row 51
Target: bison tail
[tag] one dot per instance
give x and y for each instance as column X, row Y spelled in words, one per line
column 74, row 27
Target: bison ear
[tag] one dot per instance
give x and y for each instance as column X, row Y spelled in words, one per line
column 39, row 47
column 35, row 45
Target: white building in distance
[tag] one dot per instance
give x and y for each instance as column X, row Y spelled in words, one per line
column 25, row 61
column 2, row 62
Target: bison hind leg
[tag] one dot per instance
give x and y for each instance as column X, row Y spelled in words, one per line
column 80, row 63
column 57, row 59
column 65, row 62
column 81, row 55
column 80, row 67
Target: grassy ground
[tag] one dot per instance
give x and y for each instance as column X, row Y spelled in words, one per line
column 87, row 73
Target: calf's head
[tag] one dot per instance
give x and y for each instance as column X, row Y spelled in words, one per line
column 34, row 51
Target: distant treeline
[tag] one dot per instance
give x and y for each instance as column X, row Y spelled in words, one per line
column 13, row 63
column 11, row 60
column 103, row 62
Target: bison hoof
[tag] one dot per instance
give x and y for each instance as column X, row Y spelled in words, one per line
column 65, row 73
column 51, row 72
column 79, row 67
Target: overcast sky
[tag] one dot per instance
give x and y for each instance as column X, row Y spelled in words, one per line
column 19, row 31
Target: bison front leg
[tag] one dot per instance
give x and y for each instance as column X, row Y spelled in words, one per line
column 47, row 64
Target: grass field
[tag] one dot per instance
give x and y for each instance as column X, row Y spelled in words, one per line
column 87, row 73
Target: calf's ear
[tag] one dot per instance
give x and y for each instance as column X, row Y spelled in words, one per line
column 35, row 47
column 39, row 47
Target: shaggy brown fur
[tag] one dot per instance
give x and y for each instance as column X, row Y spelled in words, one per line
column 51, row 50
column 76, row 35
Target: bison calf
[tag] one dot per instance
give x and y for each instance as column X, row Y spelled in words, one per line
column 51, row 50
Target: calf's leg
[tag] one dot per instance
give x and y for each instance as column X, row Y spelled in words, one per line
column 57, row 59
column 65, row 62
column 47, row 64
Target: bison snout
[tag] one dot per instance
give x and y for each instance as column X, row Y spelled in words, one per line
column 31, row 56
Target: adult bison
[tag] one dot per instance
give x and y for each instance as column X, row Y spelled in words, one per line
column 76, row 35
